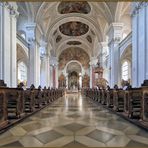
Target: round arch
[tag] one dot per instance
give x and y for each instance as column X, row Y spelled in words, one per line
column 74, row 17
column 22, row 54
column 74, row 61
column 63, row 47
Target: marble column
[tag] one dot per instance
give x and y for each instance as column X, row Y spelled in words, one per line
column 34, row 56
column 8, row 14
column 115, row 36
column 140, row 43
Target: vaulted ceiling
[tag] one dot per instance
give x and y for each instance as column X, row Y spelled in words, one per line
column 83, row 22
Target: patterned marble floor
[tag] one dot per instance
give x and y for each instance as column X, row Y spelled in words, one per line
column 74, row 121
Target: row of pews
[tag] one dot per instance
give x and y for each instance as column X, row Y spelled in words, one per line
column 16, row 103
column 132, row 103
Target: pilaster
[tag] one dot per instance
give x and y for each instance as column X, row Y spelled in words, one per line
column 8, row 14
column 34, row 59
column 115, row 36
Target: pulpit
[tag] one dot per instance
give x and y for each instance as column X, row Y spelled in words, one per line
column 99, row 80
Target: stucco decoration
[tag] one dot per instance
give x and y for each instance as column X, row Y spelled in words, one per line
column 74, row 7
column 55, row 32
column 89, row 39
column 58, row 39
column 74, row 28
column 73, row 53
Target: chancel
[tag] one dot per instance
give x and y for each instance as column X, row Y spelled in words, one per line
column 74, row 74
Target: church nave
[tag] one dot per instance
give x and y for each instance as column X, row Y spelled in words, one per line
column 74, row 120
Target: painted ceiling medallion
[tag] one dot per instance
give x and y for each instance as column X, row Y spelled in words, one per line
column 74, row 28
column 74, row 43
column 74, row 7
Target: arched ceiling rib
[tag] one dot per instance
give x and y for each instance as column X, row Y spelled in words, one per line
column 48, row 20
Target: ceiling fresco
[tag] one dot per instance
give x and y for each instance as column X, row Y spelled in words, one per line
column 74, row 28
column 73, row 53
column 74, row 7
column 74, row 43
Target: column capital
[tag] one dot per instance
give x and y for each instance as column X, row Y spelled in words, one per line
column 54, row 61
column 136, row 6
column 12, row 8
column 30, row 32
column 104, row 44
column 115, row 32
column 93, row 61
column 43, row 49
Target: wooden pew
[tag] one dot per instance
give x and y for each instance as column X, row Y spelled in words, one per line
column 145, row 103
column 49, row 95
column 118, row 97
column 45, row 96
column 110, row 99
column 29, row 97
column 99, row 95
column 38, row 97
column 126, row 102
column 3, row 109
column 104, row 97
column 135, row 103
column 15, row 100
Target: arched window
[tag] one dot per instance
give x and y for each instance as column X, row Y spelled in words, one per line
column 125, row 71
column 22, row 73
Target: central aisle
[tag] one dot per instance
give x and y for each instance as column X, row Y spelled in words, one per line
column 74, row 121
